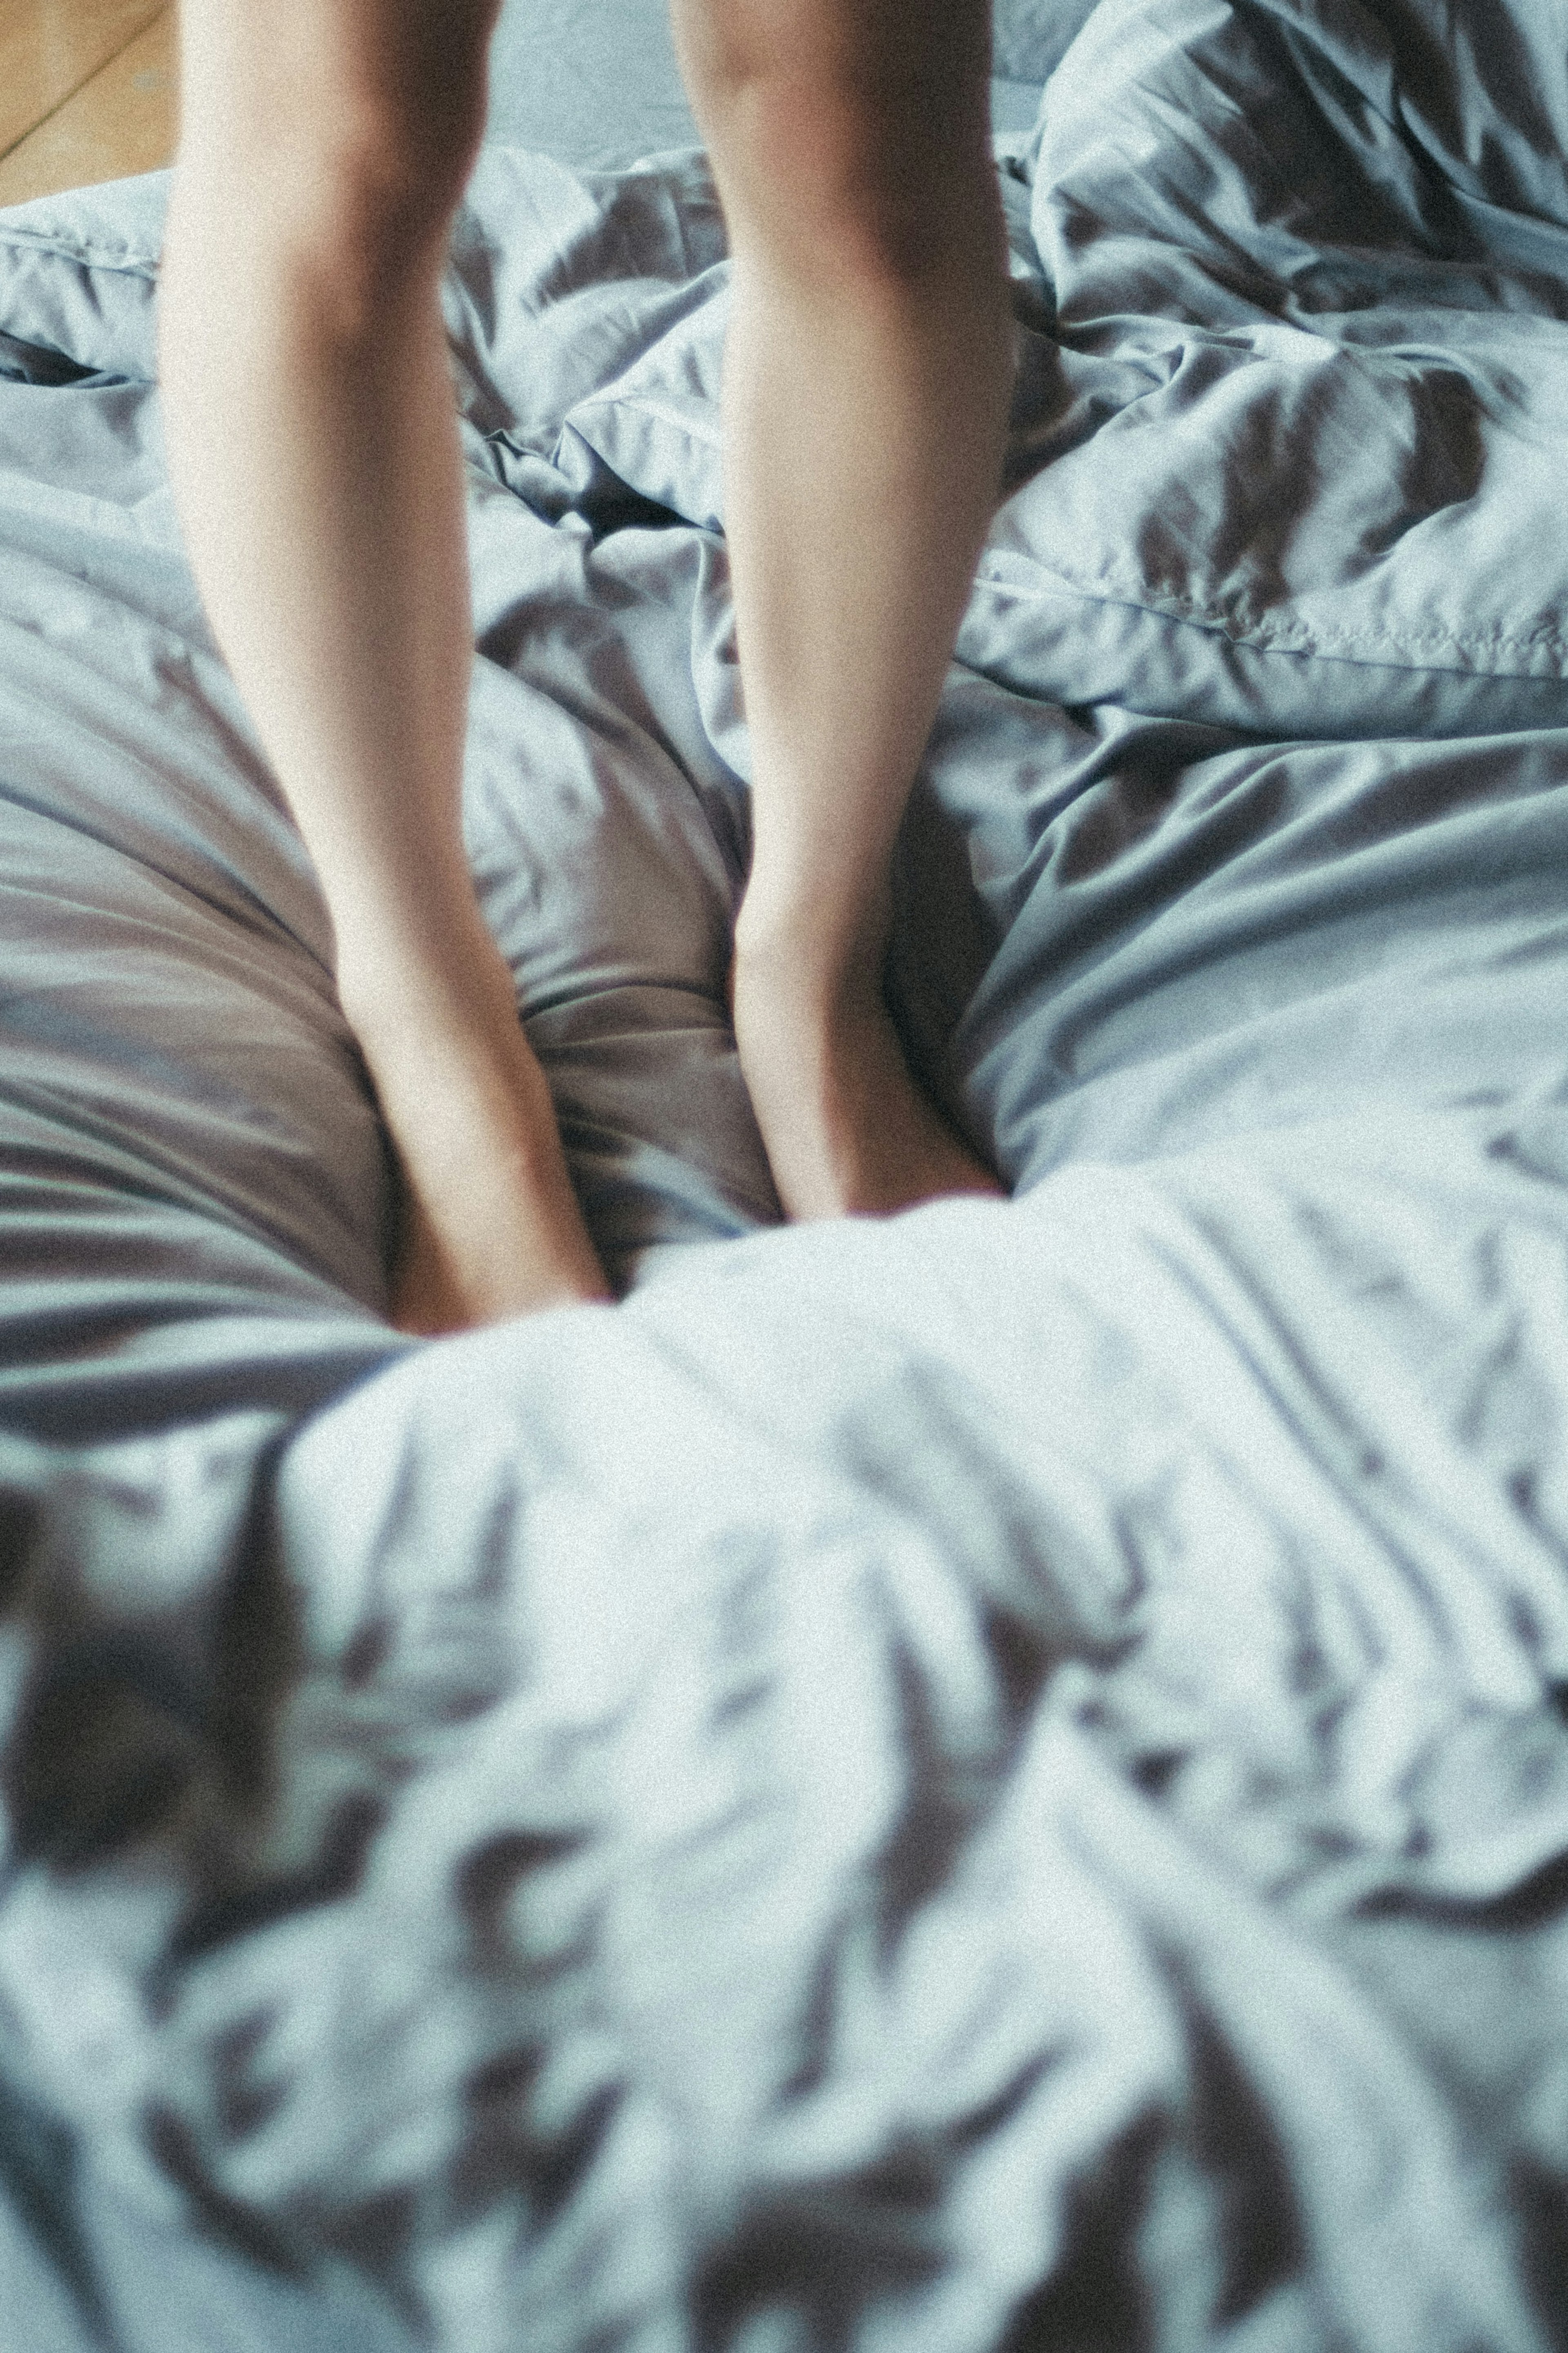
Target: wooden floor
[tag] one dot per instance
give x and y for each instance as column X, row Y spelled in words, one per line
column 87, row 92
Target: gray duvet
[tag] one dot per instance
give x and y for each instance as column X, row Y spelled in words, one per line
column 999, row 1780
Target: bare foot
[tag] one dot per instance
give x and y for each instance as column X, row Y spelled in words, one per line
column 846, row 1129
column 490, row 1226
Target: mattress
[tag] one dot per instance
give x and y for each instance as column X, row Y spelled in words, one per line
column 994, row 1780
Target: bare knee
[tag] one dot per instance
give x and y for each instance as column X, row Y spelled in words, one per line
column 853, row 130
column 334, row 134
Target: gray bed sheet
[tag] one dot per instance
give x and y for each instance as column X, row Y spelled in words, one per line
column 994, row 1781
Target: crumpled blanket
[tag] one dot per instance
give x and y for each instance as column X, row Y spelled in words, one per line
column 991, row 1781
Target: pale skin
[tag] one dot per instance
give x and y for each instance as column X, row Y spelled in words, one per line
column 313, row 448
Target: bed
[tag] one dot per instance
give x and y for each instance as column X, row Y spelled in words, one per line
column 993, row 1782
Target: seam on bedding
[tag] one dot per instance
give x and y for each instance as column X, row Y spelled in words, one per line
column 1300, row 640
column 125, row 264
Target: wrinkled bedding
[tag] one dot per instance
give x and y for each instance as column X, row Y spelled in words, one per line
column 994, row 1780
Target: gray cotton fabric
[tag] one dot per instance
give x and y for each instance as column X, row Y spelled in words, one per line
column 996, row 1781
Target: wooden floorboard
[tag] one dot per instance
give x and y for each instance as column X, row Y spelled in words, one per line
column 49, row 48
column 120, row 119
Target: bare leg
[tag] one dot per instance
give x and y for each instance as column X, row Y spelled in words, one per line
column 866, row 376
column 314, row 452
